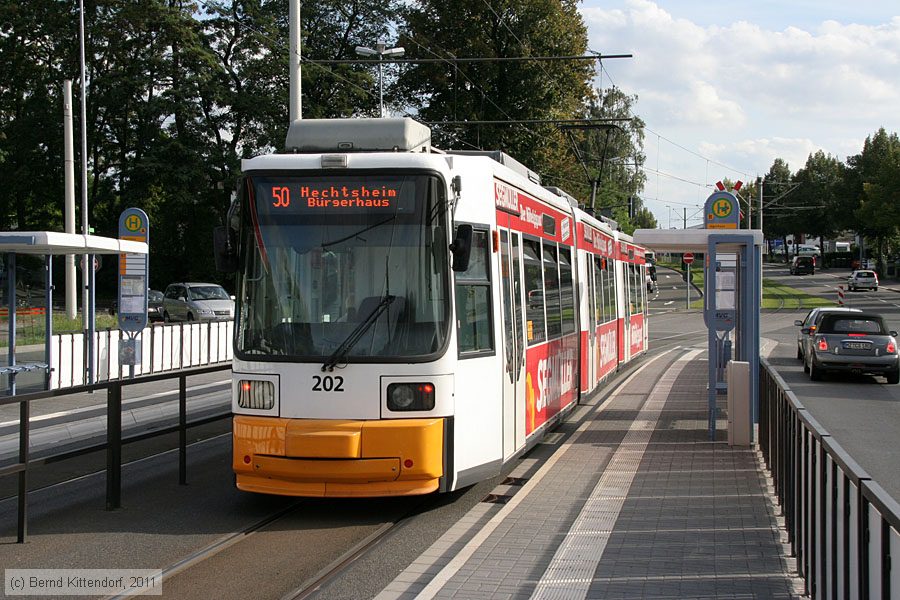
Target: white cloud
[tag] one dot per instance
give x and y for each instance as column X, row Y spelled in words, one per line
column 744, row 93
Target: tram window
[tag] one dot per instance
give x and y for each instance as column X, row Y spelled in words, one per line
column 612, row 288
column 473, row 309
column 632, row 292
column 473, row 301
column 642, row 276
column 599, row 291
column 551, row 292
column 567, row 294
column 534, row 284
column 506, row 285
column 478, row 260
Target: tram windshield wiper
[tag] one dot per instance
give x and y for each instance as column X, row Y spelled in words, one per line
column 357, row 333
column 363, row 230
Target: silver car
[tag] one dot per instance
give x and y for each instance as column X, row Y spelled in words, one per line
column 853, row 343
column 862, row 279
column 808, row 326
column 197, row 302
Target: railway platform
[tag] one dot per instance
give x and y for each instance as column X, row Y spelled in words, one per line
column 634, row 502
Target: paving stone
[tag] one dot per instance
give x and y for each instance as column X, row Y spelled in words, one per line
column 643, row 501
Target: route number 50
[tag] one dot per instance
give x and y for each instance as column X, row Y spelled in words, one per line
column 282, row 197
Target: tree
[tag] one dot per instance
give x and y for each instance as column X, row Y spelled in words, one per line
column 612, row 154
column 777, row 203
column 35, row 44
column 872, row 178
column 493, row 91
column 817, row 196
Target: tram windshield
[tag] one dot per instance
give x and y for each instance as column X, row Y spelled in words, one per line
column 321, row 253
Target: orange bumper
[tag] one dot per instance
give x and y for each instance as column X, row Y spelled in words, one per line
column 300, row 457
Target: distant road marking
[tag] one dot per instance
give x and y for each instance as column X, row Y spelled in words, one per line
column 669, row 302
column 674, row 287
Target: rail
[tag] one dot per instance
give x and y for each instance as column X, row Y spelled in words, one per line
column 114, row 439
column 164, row 347
column 842, row 526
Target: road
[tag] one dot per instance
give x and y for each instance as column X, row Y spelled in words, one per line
column 862, row 413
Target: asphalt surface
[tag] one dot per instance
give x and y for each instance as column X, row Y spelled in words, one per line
column 862, row 413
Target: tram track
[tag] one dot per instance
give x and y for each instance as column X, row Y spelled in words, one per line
column 337, row 567
column 219, row 545
column 304, row 524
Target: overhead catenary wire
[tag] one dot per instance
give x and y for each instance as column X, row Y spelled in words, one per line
column 470, row 59
column 660, row 136
column 452, row 60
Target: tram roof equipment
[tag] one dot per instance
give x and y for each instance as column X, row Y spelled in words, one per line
column 358, row 135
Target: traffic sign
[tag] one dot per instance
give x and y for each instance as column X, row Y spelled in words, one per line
column 688, row 258
column 97, row 262
column 722, row 210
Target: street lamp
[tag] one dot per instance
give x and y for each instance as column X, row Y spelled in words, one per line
column 381, row 50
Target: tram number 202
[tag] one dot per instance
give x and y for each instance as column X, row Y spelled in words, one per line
column 328, row 383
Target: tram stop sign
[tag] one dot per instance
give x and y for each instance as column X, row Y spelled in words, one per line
column 688, row 258
column 133, row 272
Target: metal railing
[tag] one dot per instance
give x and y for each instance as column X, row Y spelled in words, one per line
column 164, row 347
column 842, row 526
column 114, row 438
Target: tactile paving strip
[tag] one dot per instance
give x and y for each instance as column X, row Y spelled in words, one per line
column 572, row 568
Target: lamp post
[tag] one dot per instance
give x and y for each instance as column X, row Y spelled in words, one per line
column 381, row 50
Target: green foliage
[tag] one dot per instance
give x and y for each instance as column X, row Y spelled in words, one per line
column 827, row 197
column 179, row 92
column 494, row 91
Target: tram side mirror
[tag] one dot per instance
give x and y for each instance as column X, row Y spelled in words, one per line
column 461, row 248
column 225, row 249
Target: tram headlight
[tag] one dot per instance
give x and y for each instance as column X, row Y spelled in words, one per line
column 410, row 396
column 253, row 393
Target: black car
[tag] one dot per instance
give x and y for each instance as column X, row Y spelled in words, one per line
column 853, row 342
column 154, row 305
column 803, row 264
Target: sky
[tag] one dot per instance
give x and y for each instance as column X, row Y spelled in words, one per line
column 726, row 87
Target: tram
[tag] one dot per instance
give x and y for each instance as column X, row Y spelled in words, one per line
column 409, row 319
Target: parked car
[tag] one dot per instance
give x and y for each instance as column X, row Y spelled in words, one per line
column 154, row 305
column 197, row 302
column 810, row 323
column 862, row 279
column 803, row 264
column 855, row 343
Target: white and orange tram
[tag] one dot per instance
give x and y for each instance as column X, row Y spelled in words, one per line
column 409, row 319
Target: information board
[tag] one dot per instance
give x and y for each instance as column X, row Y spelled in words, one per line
column 133, row 272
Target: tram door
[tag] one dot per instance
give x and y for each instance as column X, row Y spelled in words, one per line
column 590, row 368
column 513, row 342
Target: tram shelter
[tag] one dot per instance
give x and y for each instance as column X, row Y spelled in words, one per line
column 732, row 268
column 48, row 244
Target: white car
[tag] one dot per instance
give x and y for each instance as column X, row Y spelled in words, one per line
column 197, row 302
column 862, row 279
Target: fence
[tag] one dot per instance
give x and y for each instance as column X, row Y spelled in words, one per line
column 164, row 347
column 842, row 526
column 114, row 435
